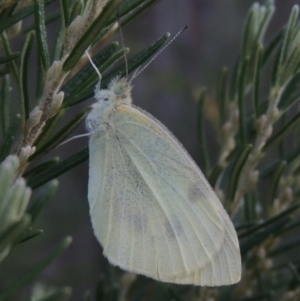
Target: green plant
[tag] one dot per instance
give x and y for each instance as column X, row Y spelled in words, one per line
column 252, row 124
column 62, row 83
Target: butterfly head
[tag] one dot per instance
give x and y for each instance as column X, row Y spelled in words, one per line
column 117, row 93
column 121, row 90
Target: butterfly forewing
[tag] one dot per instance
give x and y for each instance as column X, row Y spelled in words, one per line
column 155, row 212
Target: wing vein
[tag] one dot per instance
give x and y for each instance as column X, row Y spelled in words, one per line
column 110, row 203
column 234, row 255
column 103, row 183
column 163, row 231
column 137, row 189
column 122, row 215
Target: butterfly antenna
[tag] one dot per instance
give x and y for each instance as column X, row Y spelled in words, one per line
column 73, row 138
column 134, row 74
column 96, row 69
column 123, row 43
column 159, row 52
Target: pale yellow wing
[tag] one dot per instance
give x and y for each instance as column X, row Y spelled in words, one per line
column 152, row 209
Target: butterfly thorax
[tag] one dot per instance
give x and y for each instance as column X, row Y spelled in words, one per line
column 108, row 100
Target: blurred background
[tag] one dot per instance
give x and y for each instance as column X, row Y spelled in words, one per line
column 167, row 89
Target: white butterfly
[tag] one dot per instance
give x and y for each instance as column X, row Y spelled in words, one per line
column 152, row 209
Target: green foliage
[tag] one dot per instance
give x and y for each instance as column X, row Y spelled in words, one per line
column 61, row 84
column 253, row 124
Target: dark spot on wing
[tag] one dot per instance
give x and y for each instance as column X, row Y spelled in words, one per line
column 195, row 193
column 140, row 222
column 173, row 227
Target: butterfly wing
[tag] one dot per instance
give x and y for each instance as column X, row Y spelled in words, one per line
column 152, row 209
